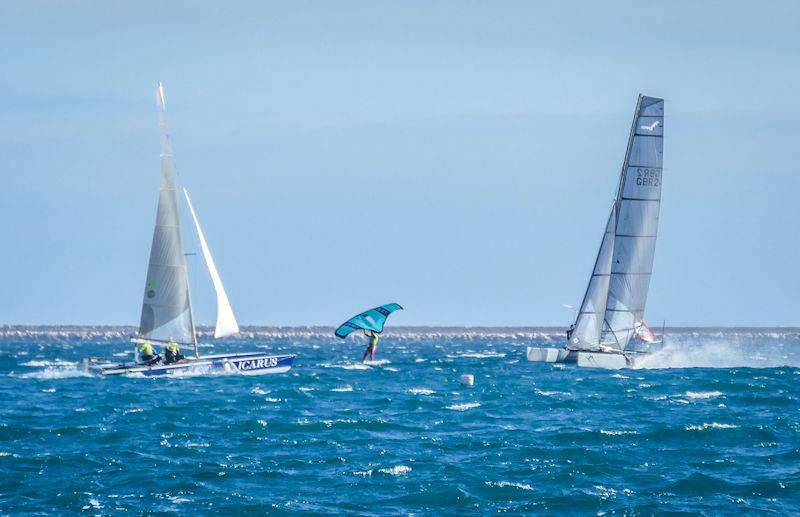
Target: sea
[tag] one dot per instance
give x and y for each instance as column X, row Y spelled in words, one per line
column 708, row 425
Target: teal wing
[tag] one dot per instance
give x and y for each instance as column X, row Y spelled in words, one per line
column 373, row 320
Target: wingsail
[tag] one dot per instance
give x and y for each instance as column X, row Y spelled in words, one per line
column 373, row 320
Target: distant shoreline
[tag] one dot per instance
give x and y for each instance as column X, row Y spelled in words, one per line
column 320, row 331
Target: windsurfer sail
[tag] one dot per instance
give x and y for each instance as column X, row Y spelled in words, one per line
column 371, row 320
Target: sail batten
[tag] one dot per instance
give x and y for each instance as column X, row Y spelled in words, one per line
column 226, row 321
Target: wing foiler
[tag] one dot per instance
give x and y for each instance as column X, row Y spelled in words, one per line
column 373, row 320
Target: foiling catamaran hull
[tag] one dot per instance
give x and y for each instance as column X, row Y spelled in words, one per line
column 609, row 360
column 254, row 363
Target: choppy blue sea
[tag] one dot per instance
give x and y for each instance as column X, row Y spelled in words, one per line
column 712, row 426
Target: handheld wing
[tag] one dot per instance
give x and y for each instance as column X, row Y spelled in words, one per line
column 372, row 319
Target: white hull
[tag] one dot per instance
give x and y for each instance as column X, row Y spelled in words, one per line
column 551, row 355
column 257, row 363
column 607, row 360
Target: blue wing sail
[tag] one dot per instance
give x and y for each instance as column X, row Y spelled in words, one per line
column 372, row 319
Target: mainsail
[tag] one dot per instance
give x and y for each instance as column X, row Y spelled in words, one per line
column 634, row 224
column 166, row 309
column 226, row 321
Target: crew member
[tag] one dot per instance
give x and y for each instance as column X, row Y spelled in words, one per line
column 172, row 353
column 373, row 344
column 146, row 354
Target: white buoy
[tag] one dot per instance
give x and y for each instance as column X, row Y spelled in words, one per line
column 467, row 379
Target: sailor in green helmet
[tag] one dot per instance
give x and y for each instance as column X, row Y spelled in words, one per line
column 373, row 344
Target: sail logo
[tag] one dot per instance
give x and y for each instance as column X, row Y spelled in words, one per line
column 652, row 127
column 257, row 364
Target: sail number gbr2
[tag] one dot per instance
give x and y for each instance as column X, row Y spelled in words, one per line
column 648, row 177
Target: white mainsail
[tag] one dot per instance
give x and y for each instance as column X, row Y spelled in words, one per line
column 226, row 321
column 621, row 278
column 166, row 308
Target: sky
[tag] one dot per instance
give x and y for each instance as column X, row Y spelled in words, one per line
column 457, row 157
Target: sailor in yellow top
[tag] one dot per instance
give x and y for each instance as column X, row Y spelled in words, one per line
column 146, row 354
column 172, row 353
column 373, row 344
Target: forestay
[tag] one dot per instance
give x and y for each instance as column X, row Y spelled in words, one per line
column 166, row 308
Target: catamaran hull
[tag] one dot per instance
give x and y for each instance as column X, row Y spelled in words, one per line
column 244, row 364
column 607, row 360
column 551, row 355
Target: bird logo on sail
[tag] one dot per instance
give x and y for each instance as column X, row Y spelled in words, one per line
column 652, row 127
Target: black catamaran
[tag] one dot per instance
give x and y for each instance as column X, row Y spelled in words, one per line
column 610, row 321
column 167, row 306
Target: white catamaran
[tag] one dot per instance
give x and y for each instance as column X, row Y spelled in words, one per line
column 609, row 326
column 167, row 306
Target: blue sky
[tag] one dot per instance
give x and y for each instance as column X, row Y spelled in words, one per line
column 456, row 157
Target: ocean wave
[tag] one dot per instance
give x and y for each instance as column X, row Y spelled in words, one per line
column 546, row 393
column 346, row 366
column 397, row 470
column 420, row 391
column 612, row 432
column 463, row 407
column 343, row 389
column 55, row 373
column 504, row 484
column 712, row 425
column 54, row 363
column 481, row 355
column 702, row 395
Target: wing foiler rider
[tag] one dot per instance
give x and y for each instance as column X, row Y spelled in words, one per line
column 172, row 353
column 373, row 344
column 147, row 355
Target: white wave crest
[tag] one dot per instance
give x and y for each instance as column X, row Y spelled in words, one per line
column 40, row 363
column 702, row 395
column 613, row 432
column 504, row 484
column 464, row 407
column 53, row 373
column 712, row 425
column 398, row 470
column 343, row 389
column 420, row 391
column 482, row 355
column 377, row 362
